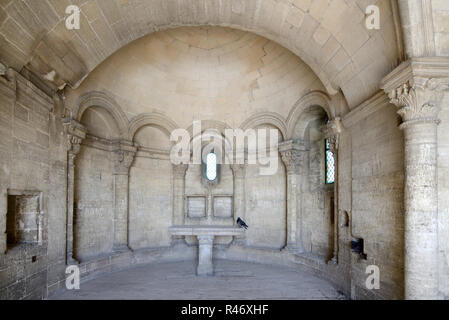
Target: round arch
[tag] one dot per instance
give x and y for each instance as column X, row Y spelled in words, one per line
column 315, row 98
column 270, row 118
column 104, row 101
column 155, row 119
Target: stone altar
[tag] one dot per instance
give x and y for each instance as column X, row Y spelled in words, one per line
column 205, row 235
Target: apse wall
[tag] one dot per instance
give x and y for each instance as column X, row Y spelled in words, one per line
column 202, row 73
column 150, row 191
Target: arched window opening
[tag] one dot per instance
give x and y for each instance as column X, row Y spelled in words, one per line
column 330, row 164
column 211, row 167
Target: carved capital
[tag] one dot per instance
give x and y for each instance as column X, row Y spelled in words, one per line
column 179, row 170
column 417, row 87
column 419, row 100
column 122, row 161
column 75, row 133
column 293, row 155
column 332, row 132
column 124, row 152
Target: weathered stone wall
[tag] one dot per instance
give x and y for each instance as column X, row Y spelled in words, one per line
column 377, row 163
column 32, row 157
column 443, row 197
column 441, row 26
column 317, row 228
column 150, row 203
column 94, row 203
column 266, row 208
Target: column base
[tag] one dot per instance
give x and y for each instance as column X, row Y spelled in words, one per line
column 205, row 270
column 333, row 261
column 72, row 261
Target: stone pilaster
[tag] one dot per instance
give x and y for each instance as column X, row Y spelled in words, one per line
column 75, row 134
column 123, row 156
column 416, row 87
column 332, row 133
column 179, row 174
column 239, row 195
column 293, row 156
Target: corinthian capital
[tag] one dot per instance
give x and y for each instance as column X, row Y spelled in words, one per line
column 123, row 161
column 417, row 87
column 293, row 155
column 75, row 133
column 124, row 152
column 332, row 132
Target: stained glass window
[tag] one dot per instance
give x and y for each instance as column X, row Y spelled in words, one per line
column 330, row 164
column 211, row 167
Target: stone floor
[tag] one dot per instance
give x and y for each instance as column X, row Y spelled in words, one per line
column 232, row 281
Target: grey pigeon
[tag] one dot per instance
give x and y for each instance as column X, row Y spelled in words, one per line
column 242, row 223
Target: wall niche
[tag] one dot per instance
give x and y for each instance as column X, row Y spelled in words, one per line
column 24, row 218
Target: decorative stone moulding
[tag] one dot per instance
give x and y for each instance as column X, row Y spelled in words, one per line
column 417, row 87
column 75, row 134
column 332, row 132
column 124, row 153
column 293, row 154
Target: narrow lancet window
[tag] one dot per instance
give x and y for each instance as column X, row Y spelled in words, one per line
column 330, row 164
column 211, row 167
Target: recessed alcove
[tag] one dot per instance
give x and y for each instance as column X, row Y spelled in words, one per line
column 24, row 219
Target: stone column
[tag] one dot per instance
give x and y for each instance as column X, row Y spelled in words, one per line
column 123, row 158
column 332, row 133
column 179, row 175
column 75, row 134
column 239, row 196
column 205, row 266
column 418, row 94
column 293, row 156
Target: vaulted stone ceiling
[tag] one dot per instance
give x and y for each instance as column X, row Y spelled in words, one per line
column 192, row 73
column 329, row 35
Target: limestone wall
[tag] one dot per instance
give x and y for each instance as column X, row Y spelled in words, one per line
column 32, row 157
column 94, row 203
column 265, row 208
column 441, row 26
column 150, row 203
column 377, row 213
column 317, row 214
column 443, row 197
